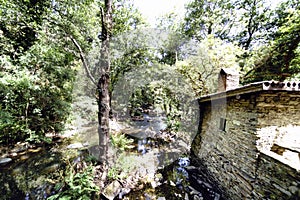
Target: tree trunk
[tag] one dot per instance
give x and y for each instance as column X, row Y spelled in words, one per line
column 103, row 83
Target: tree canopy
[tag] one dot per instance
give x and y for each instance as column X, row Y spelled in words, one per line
column 268, row 34
column 43, row 44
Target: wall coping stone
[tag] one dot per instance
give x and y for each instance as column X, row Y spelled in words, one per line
column 252, row 88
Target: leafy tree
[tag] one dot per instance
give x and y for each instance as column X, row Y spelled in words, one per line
column 202, row 69
column 61, row 34
column 126, row 17
column 35, row 96
column 253, row 17
column 89, row 26
column 19, row 24
column 103, row 82
column 132, row 49
column 209, row 17
column 169, row 50
column 269, row 36
column 77, row 22
column 37, row 72
column 280, row 16
column 281, row 59
column 246, row 22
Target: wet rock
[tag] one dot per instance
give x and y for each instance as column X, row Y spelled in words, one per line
column 24, row 157
column 191, row 169
column 207, row 185
column 75, row 146
column 112, row 190
column 172, row 184
column 149, row 132
column 20, row 147
column 4, row 161
column 123, row 192
column 179, row 196
column 186, row 197
column 147, row 196
column 293, row 189
column 196, row 197
column 193, row 191
column 217, row 196
column 115, row 126
column 51, row 168
column 13, row 154
column 35, row 150
column 154, row 184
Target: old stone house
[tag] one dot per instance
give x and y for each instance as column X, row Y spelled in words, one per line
column 249, row 139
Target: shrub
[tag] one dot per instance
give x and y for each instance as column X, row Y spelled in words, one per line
column 32, row 105
column 120, row 141
column 78, row 185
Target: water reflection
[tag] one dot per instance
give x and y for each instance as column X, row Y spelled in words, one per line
column 26, row 176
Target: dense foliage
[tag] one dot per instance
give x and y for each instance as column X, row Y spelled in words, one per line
column 36, row 74
column 19, row 25
column 43, row 43
column 34, row 104
column 203, row 67
column 78, row 184
column 267, row 32
column 281, row 59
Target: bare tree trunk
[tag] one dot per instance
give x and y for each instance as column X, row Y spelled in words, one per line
column 103, row 83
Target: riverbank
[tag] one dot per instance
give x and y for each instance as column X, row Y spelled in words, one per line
column 144, row 162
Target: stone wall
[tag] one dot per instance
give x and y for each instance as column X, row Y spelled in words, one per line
column 279, row 125
column 276, row 180
column 278, row 130
column 230, row 144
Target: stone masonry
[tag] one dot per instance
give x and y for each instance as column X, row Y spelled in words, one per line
column 249, row 140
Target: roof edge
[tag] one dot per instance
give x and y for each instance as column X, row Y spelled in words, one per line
column 254, row 87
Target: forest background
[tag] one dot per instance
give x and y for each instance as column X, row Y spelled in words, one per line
column 43, row 46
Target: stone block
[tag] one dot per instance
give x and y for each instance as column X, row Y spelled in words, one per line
column 112, row 190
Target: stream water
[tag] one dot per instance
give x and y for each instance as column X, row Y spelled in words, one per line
column 25, row 177
column 158, row 154
column 166, row 156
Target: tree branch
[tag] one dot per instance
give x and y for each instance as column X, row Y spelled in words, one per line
column 84, row 62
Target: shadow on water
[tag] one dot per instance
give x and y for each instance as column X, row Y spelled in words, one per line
column 29, row 174
column 179, row 177
column 180, row 180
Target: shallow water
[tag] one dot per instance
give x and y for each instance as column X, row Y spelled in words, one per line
column 26, row 176
column 29, row 176
column 180, row 180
